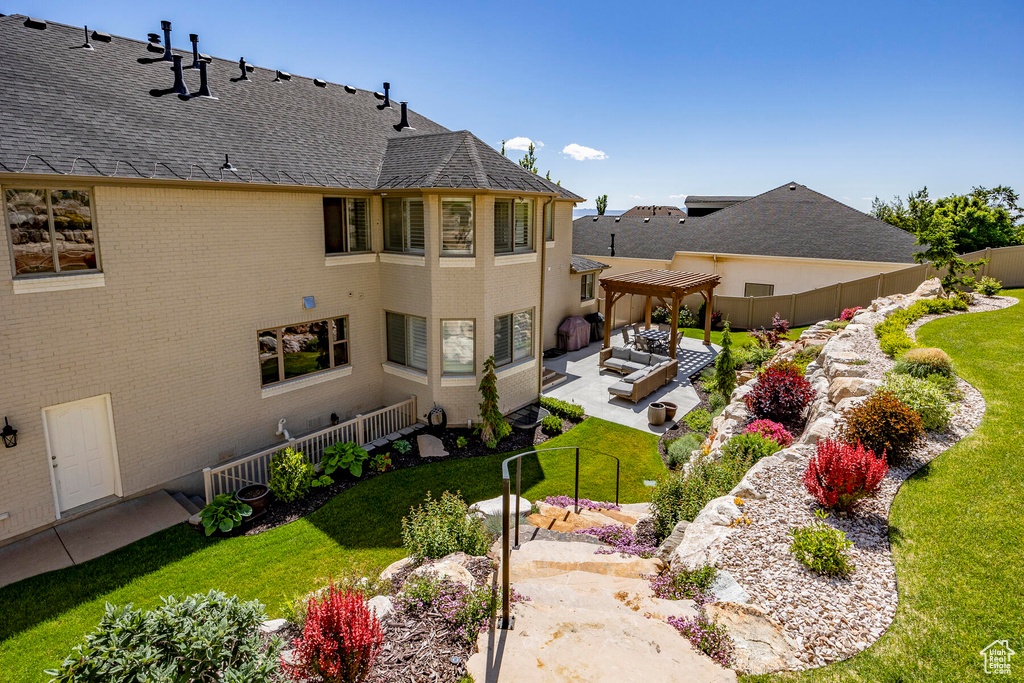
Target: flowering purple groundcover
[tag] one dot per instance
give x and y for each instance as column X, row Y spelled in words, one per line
column 568, row 502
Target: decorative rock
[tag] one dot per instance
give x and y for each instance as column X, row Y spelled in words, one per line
column 381, row 606
column 672, row 541
column 791, row 454
column 740, row 393
column 845, row 387
column 831, row 354
column 737, row 410
column 928, row 289
column 430, row 446
column 817, row 430
column 721, row 511
column 394, row 568
column 843, row 370
column 273, row 625
column 541, row 559
column 442, row 569
column 848, row 403
column 726, row 589
column 492, row 506
column 747, row 490
column 744, row 376
column 702, row 544
column 761, row 644
column 636, row 509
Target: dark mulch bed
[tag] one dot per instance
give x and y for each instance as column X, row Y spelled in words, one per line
column 279, row 514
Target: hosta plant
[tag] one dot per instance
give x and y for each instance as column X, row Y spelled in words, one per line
column 883, row 424
column 340, row 640
column 821, row 548
column 402, row 446
column 780, row 394
column 223, row 514
column 838, row 475
column 344, row 456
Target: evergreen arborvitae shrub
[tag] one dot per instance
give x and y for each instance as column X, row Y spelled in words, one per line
column 725, row 364
column 493, row 427
column 884, row 424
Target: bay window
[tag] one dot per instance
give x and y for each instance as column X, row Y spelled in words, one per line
column 513, row 337
column 457, row 227
column 458, row 348
column 407, row 340
column 513, row 225
column 346, row 225
column 403, row 224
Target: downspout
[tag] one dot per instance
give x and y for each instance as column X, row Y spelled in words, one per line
column 543, row 272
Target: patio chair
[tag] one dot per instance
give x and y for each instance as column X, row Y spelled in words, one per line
column 641, row 343
column 626, row 341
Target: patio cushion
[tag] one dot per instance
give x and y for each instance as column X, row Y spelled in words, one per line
column 630, row 366
column 617, row 364
column 620, row 352
column 640, row 357
column 636, row 376
column 657, row 359
column 621, row 389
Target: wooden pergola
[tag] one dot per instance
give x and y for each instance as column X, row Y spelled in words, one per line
column 667, row 286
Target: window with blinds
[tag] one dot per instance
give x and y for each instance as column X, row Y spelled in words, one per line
column 587, row 287
column 346, row 225
column 456, row 227
column 513, row 337
column 407, row 340
column 549, row 222
column 513, row 225
column 403, row 224
column 458, row 348
column 502, row 226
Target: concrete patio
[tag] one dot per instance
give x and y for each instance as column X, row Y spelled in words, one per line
column 587, row 384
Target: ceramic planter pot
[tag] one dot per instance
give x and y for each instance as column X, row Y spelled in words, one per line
column 656, row 413
column 255, row 496
column 670, row 410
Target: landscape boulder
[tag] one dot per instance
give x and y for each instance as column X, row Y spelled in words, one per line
column 761, row 643
column 846, row 387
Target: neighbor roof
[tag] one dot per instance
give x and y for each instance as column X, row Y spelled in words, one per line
column 796, row 222
column 582, row 264
column 654, row 211
column 93, row 112
column 714, row 198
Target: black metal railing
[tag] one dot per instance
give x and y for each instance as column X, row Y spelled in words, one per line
column 506, row 491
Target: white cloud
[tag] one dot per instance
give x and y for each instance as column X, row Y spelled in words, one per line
column 520, row 143
column 867, row 199
column 635, row 196
column 581, row 153
column 676, row 196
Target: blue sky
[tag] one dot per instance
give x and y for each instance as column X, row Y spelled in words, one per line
column 662, row 99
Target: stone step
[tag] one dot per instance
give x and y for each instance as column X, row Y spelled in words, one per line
column 612, row 594
column 566, row 644
column 198, row 501
column 186, row 503
column 543, row 559
column 529, row 533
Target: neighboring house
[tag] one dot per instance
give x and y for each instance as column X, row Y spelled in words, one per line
column 787, row 240
column 185, row 271
column 654, row 211
column 702, row 205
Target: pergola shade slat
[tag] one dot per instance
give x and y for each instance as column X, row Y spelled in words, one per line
column 664, row 285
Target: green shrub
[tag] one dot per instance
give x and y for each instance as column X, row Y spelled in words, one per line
column 757, row 355
column 960, row 301
column 564, row 409
column 947, row 385
column 461, row 442
column 726, row 363
column 750, row 447
column 921, row 395
column 290, row 475
column 895, row 343
column 837, row 324
column 344, row 456
column 717, row 403
column 551, row 425
column 681, row 495
column 402, row 446
column 223, row 514
column 807, row 356
column 699, row 420
column 989, row 286
column 199, row 637
column 921, row 362
column 682, row 583
column 821, row 548
column 442, row 527
column 679, row 450
column 882, row 423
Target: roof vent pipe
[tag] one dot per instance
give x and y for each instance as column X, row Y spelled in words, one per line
column 166, row 26
column 387, row 97
column 612, row 248
column 179, row 87
column 194, row 37
column 88, row 45
column 227, row 166
column 404, row 123
column 244, row 68
column 204, row 86
column 154, row 38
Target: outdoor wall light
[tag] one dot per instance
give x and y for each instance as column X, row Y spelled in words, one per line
column 9, row 434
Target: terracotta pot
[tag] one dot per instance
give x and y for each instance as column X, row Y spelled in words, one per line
column 656, row 413
column 255, row 496
column 670, row 410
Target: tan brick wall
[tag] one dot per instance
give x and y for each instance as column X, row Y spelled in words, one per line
column 561, row 287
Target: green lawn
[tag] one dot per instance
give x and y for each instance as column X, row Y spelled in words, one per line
column 957, row 527
column 357, row 531
column 740, row 339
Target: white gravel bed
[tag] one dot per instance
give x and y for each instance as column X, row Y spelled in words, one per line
column 833, row 619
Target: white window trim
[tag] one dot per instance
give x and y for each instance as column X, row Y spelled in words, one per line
column 515, row 259
column 349, row 259
column 549, row 244
column 403, row 259
column 58, row 283
column 406, row 373
column 306, row 381
column 49, row 187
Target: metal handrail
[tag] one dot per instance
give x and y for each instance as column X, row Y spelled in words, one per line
column 506, row 490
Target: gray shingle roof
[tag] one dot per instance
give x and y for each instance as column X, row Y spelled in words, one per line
column 781, row 222
column 714, row 198
column 91, row 113
column 582, row 264
column 652, row 210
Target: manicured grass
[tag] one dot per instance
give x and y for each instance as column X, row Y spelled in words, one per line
column 357, row 531
column 740, row 339
column 957, row 525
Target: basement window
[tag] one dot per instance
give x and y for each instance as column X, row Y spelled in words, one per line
column 754, row 289
column 297, row 350
column 51, row 231
column 346, row 225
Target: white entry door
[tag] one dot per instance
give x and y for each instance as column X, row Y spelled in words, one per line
column 82, row 452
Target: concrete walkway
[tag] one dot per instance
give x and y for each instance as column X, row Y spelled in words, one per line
column 89, row 536
column 587, row 384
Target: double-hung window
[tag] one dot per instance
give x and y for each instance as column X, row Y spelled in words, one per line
column 458, row 348
column 403, row 224
column 346, row 225
column 297, row 350
column 587, row 287
column 51, row 231
column 407, row 340
column 513, row 225
column 513, row 337
column 549, row 222
column 457, row 227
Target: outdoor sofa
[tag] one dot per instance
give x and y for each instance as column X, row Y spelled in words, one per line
column 644, row 372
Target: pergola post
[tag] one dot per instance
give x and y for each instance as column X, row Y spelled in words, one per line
column 707, row 316
column 674, row 323
column 647, row 313
column 608, row 304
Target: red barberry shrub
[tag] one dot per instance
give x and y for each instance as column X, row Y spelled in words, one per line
column 840, row 474
column 340, row 642
column 779, row 395
column 848, row 313
column 770, row 430
column 884, row 424
column 780, row 325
